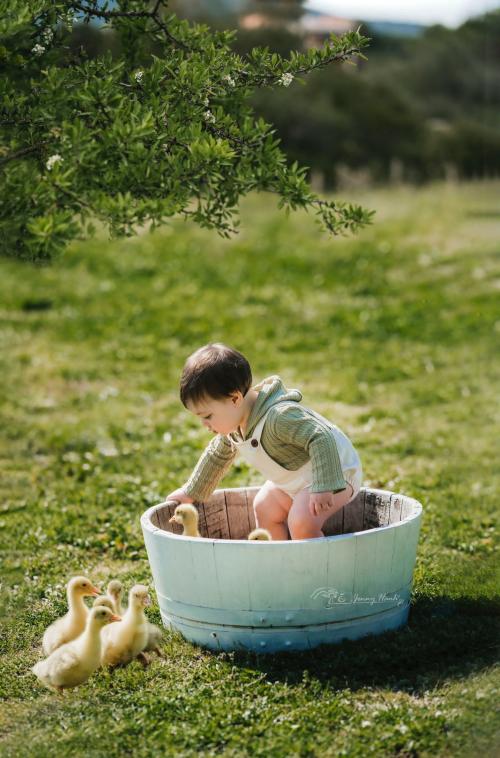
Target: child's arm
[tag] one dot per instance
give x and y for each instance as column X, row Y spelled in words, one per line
column 214, row 462
column 293, row 425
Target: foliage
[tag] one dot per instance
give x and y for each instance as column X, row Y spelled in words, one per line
column 430, row 105
column 140, row 137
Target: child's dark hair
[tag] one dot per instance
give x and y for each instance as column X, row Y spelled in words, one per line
column 214, row 371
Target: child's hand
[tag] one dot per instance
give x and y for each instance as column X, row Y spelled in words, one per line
column 180, row 496
column 319, row 502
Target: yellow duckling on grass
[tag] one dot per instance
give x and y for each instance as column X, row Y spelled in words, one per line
column 187, row 516
column 155, row 638
column 114, row 590
column 121, row 643
column 260, row 534
column 72, row 664
column 105, row 601
column 72, row 624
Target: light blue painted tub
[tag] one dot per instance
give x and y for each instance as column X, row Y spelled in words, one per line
column 226, row 593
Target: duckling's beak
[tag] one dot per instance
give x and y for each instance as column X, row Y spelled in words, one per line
column 147, row 600
column 174, row 520
column 95, row 592
column 114, row 617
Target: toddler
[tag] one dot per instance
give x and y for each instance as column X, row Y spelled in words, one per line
column 311, row 467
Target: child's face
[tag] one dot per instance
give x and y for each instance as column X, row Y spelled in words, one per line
column 220, row 416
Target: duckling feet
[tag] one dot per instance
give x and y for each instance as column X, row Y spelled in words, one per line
column 143, row 658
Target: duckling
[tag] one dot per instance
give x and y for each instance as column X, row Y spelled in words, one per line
column 260, row 534
column 72, row 664
column 126, row 641
column 72, row 624
column 187, row 516
column 155, row 637
column 105, row 601
column 114, row 590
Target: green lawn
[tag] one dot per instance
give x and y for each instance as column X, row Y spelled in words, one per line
column 393, row 334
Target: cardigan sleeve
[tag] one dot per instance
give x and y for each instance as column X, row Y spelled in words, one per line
column 293, row 425
column 214, row 462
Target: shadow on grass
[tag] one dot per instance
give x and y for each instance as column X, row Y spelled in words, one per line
column 446, row 639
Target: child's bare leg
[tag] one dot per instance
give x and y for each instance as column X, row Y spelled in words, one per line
column 302, row 524
column 271, row 506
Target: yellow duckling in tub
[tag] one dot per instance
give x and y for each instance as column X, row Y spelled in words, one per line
column 72, row 663
column 260, row 534
column 72, row 624
column 187, row 516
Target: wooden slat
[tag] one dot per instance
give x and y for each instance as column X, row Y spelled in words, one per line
column 164, row 513
column 251, row 492
column 413, row 531
column 377, row 509
column 237, row 514
column 338, row 590
column 399, row 563
column 272, row 573
column 396, row 506
column 202, row 519
column 334, row 524
column 232, row 575
column 204, row 588
column 216, row 516
column 407, row 508
column 354, row 514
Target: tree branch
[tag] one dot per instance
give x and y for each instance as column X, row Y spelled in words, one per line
column 20, row 153
column 154, row 15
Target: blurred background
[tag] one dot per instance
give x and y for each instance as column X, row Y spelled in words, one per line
column 424, row 106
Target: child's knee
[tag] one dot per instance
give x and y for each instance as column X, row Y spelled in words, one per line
column 301, row 525
column 267, row 505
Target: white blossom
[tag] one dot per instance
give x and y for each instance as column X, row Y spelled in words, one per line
column 38, row 49
column 229, row 79
column 209, row 116
column 285, row 80
column 67, row 19
column 53, row 160
column 47, row 35
column 138, row 76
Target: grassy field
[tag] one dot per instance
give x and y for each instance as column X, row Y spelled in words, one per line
column 393, row 334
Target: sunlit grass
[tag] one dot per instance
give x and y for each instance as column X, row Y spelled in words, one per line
column 392, row 334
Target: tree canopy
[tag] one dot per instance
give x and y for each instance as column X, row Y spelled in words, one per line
column 162, row 128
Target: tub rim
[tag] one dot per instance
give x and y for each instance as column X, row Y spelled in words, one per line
column 148, row 525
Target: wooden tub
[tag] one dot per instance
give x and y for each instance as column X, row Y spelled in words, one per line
column 227, row 593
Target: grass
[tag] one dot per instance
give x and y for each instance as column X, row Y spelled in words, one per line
column 392, row 334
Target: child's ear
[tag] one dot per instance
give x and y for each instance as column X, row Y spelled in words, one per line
column 236, row 397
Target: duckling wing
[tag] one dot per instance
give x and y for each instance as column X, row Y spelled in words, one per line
column 155, row 636
column 60, row 669
column 112, row 646
column 54, row 636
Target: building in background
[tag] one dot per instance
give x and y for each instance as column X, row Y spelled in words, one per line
column 314, row 27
